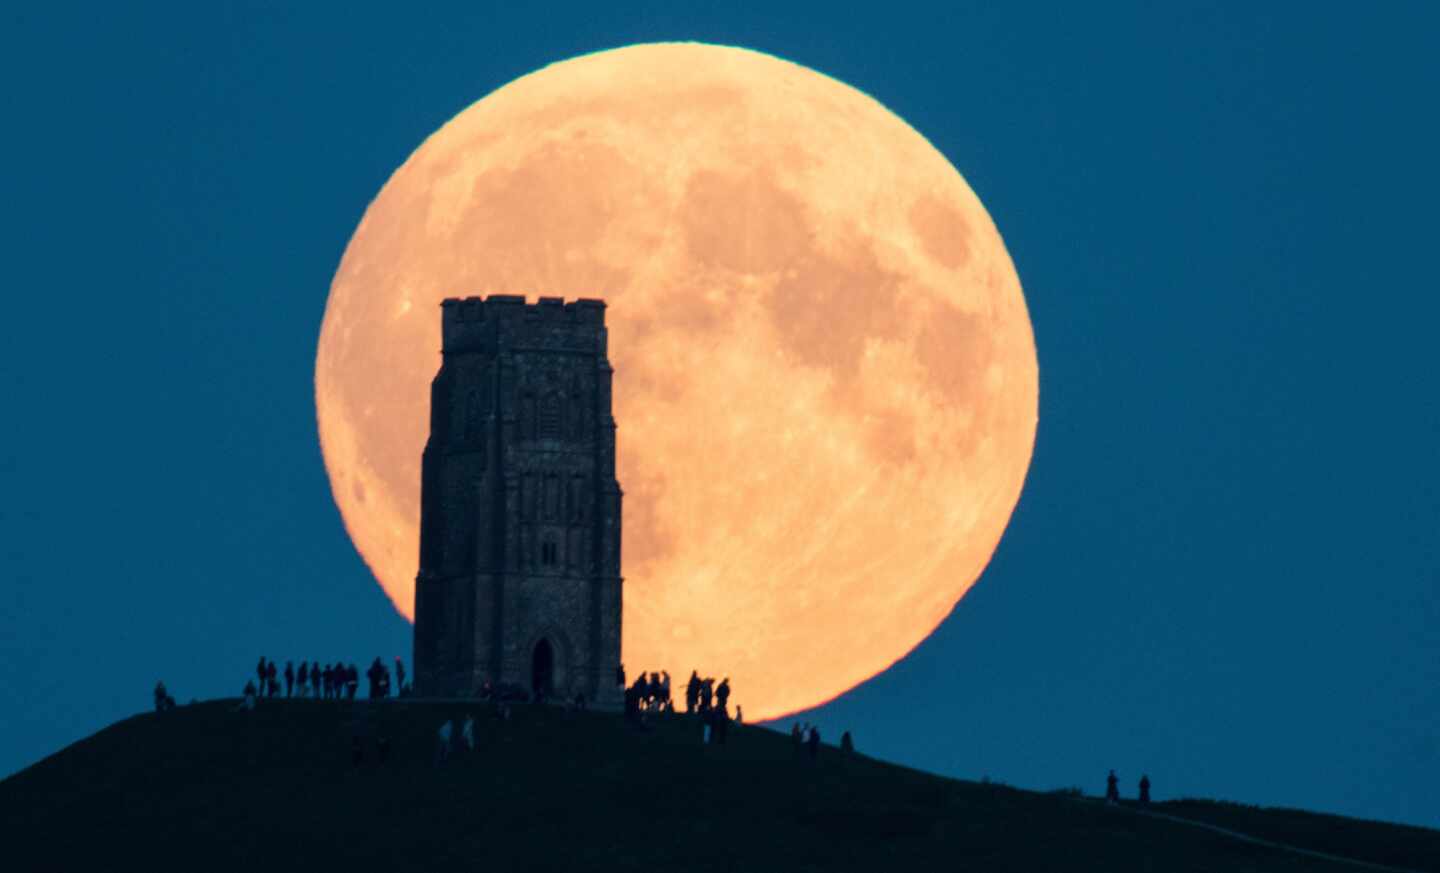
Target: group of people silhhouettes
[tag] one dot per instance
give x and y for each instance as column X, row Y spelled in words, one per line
column 650, row 693
column 337, row 681
column 457, row 738
column 1112, row 789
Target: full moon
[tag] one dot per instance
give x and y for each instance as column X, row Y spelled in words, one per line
column 825, row 375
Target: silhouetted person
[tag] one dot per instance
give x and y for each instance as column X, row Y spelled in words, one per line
column 692, row 692
column 443, row 739
column 247, row 702
column 796, row 739
column 665, row 702
column 847, row 745
column 632, row 705
column 639, row 690
column 1112, row 788
column 352, row 681
column 304, row 678
column 329, row 681
column 373, row 674
column 814, row 742
column 620, row 675
column 260, row 674
column 315, row 679
column 722, row 694
column 707, row 691
column 642, row 689
column 1144, row 790
column 163, row 700
column 399, row 675
column 272, row 684
column 739, row 714
column 289, row 677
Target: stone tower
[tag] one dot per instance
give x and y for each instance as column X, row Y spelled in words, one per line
column 519, row 579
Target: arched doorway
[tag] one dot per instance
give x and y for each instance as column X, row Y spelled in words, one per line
column 542, row 670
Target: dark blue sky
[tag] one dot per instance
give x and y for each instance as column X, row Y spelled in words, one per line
column 1224, row 570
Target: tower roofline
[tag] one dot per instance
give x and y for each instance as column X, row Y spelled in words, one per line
column 467, row 309
column 470, row 323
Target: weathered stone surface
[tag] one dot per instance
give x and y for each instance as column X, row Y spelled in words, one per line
column 520, row 508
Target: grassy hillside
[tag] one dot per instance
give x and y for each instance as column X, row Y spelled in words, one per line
column 1380, row 842
column 205, row 788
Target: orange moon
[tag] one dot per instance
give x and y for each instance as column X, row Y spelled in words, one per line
column 825, row 375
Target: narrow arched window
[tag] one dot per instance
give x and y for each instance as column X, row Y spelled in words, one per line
column 527, row 416
column 550, row 417
column 552, row 497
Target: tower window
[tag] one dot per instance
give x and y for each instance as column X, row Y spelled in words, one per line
column 527, row 416
column 552, row 497
column 550, row 417
column 529, row 485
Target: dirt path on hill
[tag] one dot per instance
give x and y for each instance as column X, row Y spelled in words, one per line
column 1284, row 847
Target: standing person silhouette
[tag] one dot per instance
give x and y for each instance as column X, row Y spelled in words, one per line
column 1112, row 788
column 373, row 674
column 289, row 677
column 1144, row 790
column 443, row 742
column 692, row 691
column 247, row 703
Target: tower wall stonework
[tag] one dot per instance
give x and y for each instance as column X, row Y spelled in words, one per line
column 519, row 505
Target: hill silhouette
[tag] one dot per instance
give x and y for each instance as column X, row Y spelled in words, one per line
column 206, row 788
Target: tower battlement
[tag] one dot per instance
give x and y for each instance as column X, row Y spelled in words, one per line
column 477, row 324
